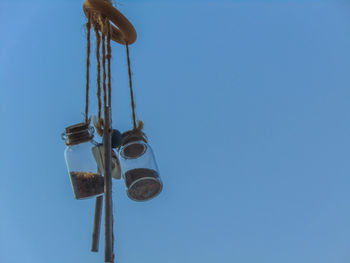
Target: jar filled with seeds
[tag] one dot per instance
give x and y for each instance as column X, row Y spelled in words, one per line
column 85, row 177
column 139, row 167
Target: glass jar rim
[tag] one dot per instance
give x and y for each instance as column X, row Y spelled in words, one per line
column 123, row 147
column 158, row 180
column 77, row 134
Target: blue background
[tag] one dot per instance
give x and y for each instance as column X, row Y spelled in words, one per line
column 246, row 104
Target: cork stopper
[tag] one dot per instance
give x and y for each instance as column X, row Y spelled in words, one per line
column 78, row 133
column 133, row 150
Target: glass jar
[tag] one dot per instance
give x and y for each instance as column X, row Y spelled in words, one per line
column 139, row 168
column 85, row 176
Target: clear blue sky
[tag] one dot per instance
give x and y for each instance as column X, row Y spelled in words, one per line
column 246, row 104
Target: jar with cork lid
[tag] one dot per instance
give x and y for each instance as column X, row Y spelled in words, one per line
column 139, row 167
column 86, row 179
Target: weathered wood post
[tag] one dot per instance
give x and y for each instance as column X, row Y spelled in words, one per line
column 97, row 224
column 107, row 132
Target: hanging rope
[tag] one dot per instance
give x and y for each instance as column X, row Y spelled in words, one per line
column 98, row 44
column 105, row 27
column 104, row 61
column 100, row 25
column 99, row 123
column 109, row 56
column 130, row 87
column 136, row 132
column 88, row 27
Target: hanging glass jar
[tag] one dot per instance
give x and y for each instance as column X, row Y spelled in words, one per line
column 139, row 167
column 85, row 176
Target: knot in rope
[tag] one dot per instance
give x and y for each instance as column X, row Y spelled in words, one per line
column 135, row 134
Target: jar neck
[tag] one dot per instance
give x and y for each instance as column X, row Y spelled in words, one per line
column 78, row 140
column 133, row 136
column 78, row 133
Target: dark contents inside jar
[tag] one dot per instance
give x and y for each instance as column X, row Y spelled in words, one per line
column 142, row 184
column 87, row 184
column 134, row 150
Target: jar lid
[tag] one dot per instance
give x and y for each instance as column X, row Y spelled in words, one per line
column 78, row 133
column 134, row 144
column 77, row 127
column 132, row 136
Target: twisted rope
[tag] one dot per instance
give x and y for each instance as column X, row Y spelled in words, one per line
column 98, row 44
column 130, row 87
column 109, row 56
column 88, row 27
column 105, row 27
column 104, row 62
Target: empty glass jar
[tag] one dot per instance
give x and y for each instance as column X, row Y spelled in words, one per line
column 85, row 177
column 139, row 167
